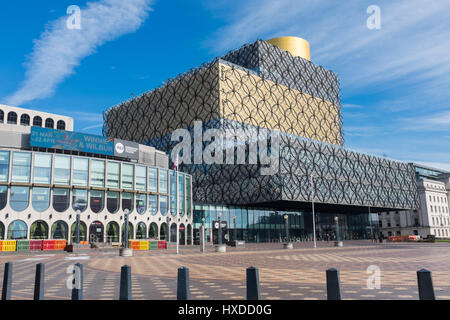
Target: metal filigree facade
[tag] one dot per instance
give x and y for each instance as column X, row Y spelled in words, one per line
column 258, row 87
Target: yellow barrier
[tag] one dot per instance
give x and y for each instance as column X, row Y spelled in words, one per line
column 9, row 245
column 143, row 245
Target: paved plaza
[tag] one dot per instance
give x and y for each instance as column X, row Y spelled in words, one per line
column 284, row 274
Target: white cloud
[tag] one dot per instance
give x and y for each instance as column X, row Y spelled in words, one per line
column 60, row 50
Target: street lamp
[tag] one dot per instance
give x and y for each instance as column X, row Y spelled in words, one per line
column 77, row 228
column 126, row 211
column 235, row 229
column 168, row 229
column 220, row 230
column 286, row 217
column 338, row 242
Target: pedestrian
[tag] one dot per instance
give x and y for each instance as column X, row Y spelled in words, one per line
column 375, row 238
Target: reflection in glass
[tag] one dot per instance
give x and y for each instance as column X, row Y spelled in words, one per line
column 163, row 205
column 152, row 179
column 4, row 166
column 60, row 199
column 40, row 200
column 112, row 201
column 188, row 196
column 163, row 181
column 141, row 203
column 97, row 173
column 21, row 166
column 19, row 198
column 3, row 196
column 17, row 230
column 141, row 178
column 97, row 200
column 127, row 201
column 39, row 230
column 173, row 192
column 127, row 176
column 80, row 171
column 62, row 170
column 113, row 174
column 181, row 194
column 42, row 169
column 79, row 199
column 59, row 230
column 153, row 204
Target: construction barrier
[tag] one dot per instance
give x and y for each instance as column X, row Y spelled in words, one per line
column 153, row 245
column 60, row 244
column 143, row 245
column 35, row 245
column 133, row 244
column 48, row 245
column 23, row 245
column 162, row 244
column 1, row 243
column 9, row 245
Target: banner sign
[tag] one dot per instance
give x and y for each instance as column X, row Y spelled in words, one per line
column 126, row 149
column 67, row 140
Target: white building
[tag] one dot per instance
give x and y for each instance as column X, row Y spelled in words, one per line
column 432, row 217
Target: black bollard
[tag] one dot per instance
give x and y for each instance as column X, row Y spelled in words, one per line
column 77, row 289
column 333, row 285
column 39, row 281
column 425, row 283
column 125, row 283
column 183, row 292
column 253, row 291
column 7, row 281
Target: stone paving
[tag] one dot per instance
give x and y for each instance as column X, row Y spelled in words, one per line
column 284, row 274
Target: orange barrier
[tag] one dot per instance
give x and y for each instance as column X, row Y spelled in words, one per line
column 60, row 244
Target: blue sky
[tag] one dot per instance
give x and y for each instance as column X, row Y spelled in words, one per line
column 395, row 81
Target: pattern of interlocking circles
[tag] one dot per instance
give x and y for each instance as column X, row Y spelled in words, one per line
column 260, row 86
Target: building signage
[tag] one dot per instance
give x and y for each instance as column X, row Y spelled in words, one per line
column 126, row 149
column 67, row 140
column 223, row 224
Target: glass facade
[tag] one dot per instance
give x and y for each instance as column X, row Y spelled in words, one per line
column 79, row 199
column 21, row 166
column 173, row 193
column 19, row 198
column 61, row 174
column 4, row 166
column 97, row 173
column 42, row 170
column 40, row 199
column 269, row 225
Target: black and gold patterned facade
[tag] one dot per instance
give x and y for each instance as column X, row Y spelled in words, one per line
column 260, row 86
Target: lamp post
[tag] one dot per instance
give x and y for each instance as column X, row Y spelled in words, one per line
column 235, row 229
column 126, row 211
column 288, row 244
column 202, row 239
column 219, row 232
column 338, row 242
column 77, row 228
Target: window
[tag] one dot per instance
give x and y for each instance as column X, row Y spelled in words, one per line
column 141, row 203
column 97, row 200
column 25, row 120
column 60, row 230
column 17, row 230
column 12, row 118
column 127, row 176
column 19, row 198
column 173, row 192
column 21, row 167
column 40, row 200
column 39, row 230
column 62, row 170
column 141, row 177
column 61, row 125
column 152, row 179
column 60, row 199
column 42, row 169
column 181, row 194
column 79, row 199
column 163, row 179
column 153, row 204
column 112, row 201
column 4, row 166
column 127, row 201
column 113, row 169
column 80, row 172
column 2, row 116
column 163, row 205
column 37, row 121
column 49, row 123
column 97, row 173
column 3, row 196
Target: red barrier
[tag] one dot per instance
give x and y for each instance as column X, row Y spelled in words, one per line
column 162, row 244
column 1, row 244
column 35, row 245
column 48, row 245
